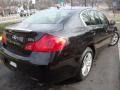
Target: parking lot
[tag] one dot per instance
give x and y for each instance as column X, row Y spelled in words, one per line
column 104, row 76
column 11, row 18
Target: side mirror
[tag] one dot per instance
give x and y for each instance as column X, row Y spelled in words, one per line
column 112, row 22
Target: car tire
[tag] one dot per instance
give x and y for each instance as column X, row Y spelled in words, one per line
column 114, row 39
column 81, row 73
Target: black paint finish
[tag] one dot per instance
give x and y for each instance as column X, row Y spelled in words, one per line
column 54, row 67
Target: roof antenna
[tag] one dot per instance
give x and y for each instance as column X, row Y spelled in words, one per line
column 58, row 7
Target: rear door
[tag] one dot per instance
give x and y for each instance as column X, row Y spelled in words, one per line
column 88, row 25
column 92, row 23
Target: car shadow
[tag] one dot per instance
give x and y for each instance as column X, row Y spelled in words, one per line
column 29, row 84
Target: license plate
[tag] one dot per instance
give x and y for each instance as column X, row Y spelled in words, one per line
column 13, row 64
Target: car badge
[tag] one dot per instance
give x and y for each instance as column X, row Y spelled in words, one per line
column 14, row 37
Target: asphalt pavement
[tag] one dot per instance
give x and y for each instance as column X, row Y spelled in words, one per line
column 104, row 76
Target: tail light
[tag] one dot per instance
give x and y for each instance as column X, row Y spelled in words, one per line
column 4, row 38
column 47, row 43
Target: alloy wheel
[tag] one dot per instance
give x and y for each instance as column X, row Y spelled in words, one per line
column 87, row 64
column 115, row 39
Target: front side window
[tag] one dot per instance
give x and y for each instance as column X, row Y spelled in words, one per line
column 92, row 17
column 103, row 18
column 86, row 18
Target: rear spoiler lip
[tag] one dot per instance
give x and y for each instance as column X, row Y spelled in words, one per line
column 18, row 29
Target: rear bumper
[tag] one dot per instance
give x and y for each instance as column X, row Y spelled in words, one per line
column 34, row 71
column 43, row 73
column 35, row 58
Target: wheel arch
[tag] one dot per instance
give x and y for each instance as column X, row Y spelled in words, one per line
column 93, row 49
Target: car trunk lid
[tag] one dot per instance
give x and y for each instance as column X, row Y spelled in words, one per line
column 20, row 34
column 16, row 39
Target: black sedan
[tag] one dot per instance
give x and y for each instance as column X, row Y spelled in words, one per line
column 54, row 45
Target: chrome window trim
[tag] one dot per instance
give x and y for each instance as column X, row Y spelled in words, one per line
column 82, row 17
column 92, row 10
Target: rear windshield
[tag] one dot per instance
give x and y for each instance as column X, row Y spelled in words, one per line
column 47, row 17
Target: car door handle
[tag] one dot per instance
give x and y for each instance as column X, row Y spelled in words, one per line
column 93, row 32
column 106, row 31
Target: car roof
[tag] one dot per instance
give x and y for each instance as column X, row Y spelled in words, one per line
column 73, row 8
column 76, row 8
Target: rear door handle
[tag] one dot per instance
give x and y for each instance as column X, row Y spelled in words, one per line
column 93, row 32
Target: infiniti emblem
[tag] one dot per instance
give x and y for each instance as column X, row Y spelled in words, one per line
column 14, row 37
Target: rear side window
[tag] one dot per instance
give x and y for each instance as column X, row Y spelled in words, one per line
column 92, row 17
column 97, row 18
column 47, row 17
column 86, row 18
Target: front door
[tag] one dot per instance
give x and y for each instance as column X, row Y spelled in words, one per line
column 101, row 26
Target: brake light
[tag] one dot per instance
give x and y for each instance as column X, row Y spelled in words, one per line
column 4, row 39
column 47, row 43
